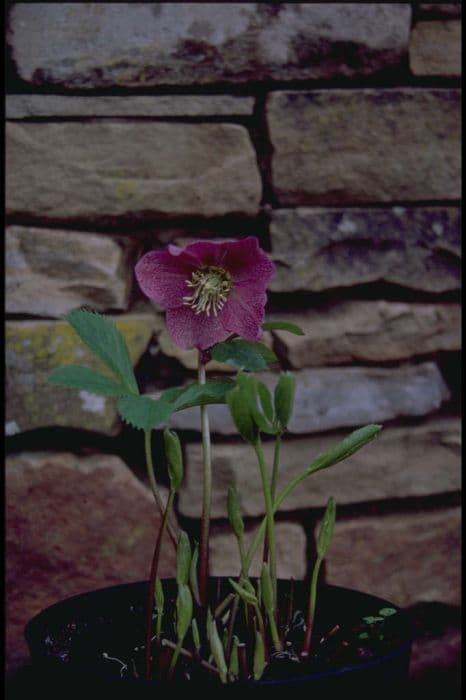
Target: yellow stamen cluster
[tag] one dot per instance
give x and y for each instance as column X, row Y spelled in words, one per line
column 211, row 286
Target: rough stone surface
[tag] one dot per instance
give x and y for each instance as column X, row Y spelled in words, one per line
column 328, row 398
column 317, row 249
column 50, row 272
column 435, row 48
column 34, row 349
column 72, row 524
column 24, row 106
column 408, row 461
column 291, row 552
column 369, row 331
column 89, row 45
column 407, row 558
column 110, row 168
column 329, row 145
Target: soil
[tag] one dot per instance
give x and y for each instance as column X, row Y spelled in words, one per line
column 106, row 635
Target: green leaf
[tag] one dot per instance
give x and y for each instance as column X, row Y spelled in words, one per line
column 282, row 326
column 86, row 379
column 345, row 448
column 326, row 528
column 243, row 354
column 247, row 595
column 104, row 339
column 213, row 391
column 284, row 398
column 372, row 619
column 145, row 413
column 387, row 612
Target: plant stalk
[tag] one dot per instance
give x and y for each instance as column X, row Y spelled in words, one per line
column 152, row 578
column 269, row 513
column 153, row 482
column 312, row 607
column 207, row 494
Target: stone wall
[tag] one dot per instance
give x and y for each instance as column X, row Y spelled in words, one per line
column 332, row 132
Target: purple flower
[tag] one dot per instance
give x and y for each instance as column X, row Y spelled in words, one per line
column 209, row 290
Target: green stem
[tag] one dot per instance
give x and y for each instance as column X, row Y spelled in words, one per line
column 269, row 513
column 273, row 487
column 312, row 607
column 207, row 494
column 153, row 482
column 174, row 659
column 276, row 462
column 152, row 578
column 277, row 503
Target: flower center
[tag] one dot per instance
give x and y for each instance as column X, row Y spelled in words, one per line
column 211, row 286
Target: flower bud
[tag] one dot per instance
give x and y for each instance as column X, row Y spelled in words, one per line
column 184, row 611
column 234, row 512
column 174, row 458
column 284, row 398
column 183, row 558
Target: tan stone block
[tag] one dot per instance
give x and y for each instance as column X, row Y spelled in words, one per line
column 435, row 48
column 98, row 45
column 49, row 272
column 328, row 145
column 369, row 331
column 291, row 552
column 317, row 249
column 113, row 168
column 402, row 462
column 404, row 557
column 73, row 524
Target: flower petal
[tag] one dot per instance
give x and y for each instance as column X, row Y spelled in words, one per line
column 244, row 312
column 190, row 330
column 245, row 261
column 162, row 276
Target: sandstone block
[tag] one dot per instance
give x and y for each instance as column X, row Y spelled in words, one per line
column 101, row 169
column 34, row 349
column 329, row 145
column 96, row 45
column 435, row 48
column 369, row 331
column 291, row 552
column 72, row 524
column 25, row 106
column 405, row 557
column 317, row 249
column 50, row 272
column 408, row 461
column 329, row 398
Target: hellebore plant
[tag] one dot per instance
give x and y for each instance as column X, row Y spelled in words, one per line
column 214, row 295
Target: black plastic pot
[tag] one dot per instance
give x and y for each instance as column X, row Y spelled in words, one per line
column 66, row 642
